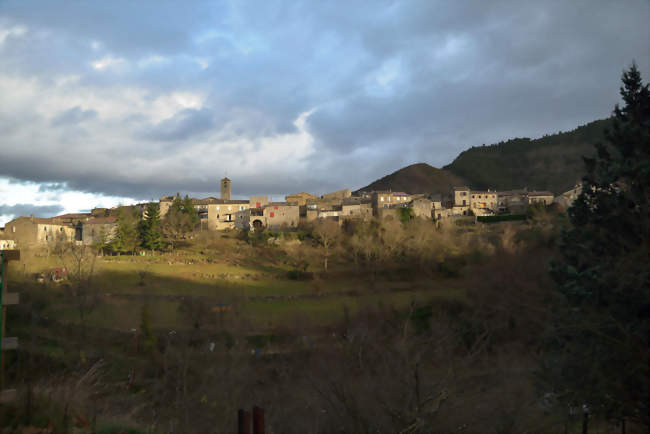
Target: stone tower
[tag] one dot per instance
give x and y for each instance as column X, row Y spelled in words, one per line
column 225, row 189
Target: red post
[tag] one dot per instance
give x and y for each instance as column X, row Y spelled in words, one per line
column 243, row 422
column 258, row 420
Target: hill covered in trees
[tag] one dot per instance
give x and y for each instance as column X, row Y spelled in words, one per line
column 417, row 178
column 553, row 162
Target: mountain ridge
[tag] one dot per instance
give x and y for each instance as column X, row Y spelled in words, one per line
column 553, row 162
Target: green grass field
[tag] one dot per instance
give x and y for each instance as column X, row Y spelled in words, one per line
column 260, row 292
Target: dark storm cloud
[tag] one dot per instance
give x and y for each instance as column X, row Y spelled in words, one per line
column 27, row 209
column 183, row 125
column 173, row 97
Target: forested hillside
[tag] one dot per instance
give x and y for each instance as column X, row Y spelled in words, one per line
column 553, row 162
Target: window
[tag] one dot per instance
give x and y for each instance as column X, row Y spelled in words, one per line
column 13, row 229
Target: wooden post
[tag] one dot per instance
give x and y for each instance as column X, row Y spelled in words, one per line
column 258, row 420
column 243, row 422
column 6, row 299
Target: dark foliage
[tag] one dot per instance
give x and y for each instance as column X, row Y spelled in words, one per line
column 552, row 162
column 600, row 342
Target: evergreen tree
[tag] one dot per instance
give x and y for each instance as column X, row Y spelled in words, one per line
column 127, row 238
column 150, row 228
column 188, row 208
column 601, row 338
column 177, row 203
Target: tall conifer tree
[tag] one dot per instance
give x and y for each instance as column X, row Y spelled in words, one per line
column 150, row 228
column 601, row 342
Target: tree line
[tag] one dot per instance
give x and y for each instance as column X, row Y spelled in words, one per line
column 148, row 230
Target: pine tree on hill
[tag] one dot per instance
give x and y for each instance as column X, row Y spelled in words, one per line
column 150, row 228
column 127, row 238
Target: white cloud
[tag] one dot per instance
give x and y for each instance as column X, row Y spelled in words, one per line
column 202, row 61
column 107, row 62
column 15, row 193
column 148, row 61
column 12, row 31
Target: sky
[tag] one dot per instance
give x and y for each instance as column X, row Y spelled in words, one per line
column 103, row 103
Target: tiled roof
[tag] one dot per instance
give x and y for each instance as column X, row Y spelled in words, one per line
column 39, row 220
column 73, row 215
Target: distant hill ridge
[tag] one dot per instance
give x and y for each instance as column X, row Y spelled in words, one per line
column 553, row 162
column 417, row 178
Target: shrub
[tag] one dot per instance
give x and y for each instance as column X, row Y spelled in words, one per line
column 300, row 275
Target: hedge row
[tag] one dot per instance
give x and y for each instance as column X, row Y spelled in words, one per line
column 500, row 218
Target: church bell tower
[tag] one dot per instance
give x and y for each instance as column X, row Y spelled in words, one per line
column 225, row 189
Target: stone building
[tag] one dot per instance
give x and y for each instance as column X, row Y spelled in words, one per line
column 422, row 208
column 399, row 197
column 479, row 202
column 483, row 202
column 274, row 216
column 356, row 208
column 300, row 198
column 6, row 244
column 338, row 195
column 540, row 197
column 512, row 201
column 381, row 199
column 567, row 198
column 226, row 214
column 36, row 231
column 225, row 188
column 258, row 201
column 99, row 229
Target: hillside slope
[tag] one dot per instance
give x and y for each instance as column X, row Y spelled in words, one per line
column 417, row 178
column 553, row 162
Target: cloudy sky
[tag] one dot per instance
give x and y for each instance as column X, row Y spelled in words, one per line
column 103, row 102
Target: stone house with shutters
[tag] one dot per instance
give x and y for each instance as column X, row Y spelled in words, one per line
column 36, row 231
column 274, row 216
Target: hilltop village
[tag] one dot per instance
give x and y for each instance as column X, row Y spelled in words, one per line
column 258, row 212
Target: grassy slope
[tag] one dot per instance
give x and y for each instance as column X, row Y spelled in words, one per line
column 259, row 290
column 553, row 162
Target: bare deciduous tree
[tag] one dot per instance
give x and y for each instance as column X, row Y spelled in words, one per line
column 327, row 232
column 78, row 261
